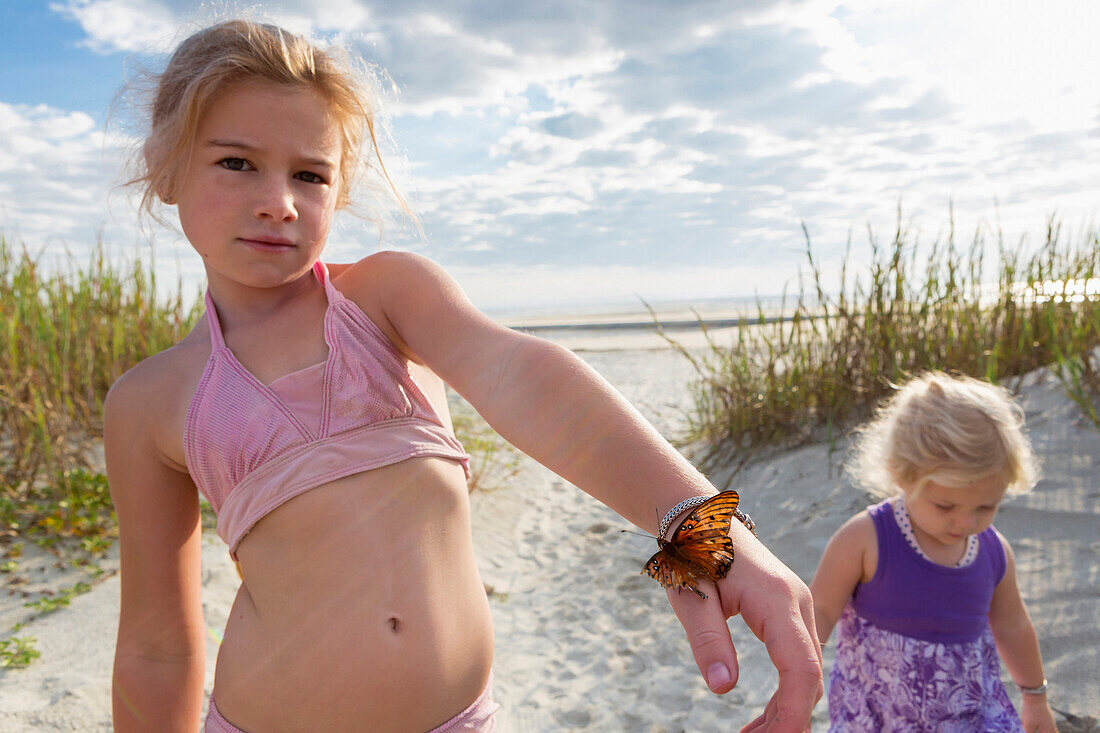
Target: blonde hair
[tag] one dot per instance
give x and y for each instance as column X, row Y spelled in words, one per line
column 241, row 51
column 952, row 430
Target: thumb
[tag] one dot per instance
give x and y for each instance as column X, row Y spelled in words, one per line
column 708, row 635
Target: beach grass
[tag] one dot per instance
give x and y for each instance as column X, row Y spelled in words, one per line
column 65, row 336
column 845, row 344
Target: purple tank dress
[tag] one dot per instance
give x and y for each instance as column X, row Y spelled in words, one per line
column 914, row 649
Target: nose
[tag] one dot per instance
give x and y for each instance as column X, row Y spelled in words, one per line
column 275, row 200
column 966, row 524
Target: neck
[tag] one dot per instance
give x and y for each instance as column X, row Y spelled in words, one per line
column 240, row 304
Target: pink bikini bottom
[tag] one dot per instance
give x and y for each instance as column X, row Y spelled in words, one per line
column 479, row 717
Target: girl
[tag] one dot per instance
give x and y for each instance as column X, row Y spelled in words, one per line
column 921, row 584
column 308, row 406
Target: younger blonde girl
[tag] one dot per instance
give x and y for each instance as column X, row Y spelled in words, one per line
column 921, row 584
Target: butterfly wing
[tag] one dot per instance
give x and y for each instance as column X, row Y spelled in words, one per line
column 663, row 568
column 702, row 541
column 700, row 547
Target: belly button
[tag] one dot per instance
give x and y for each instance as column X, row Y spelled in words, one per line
column 394, row 623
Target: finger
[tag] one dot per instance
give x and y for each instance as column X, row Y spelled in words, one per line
column 766, row 718
column 761, row 721
column 708, row 636
column 791, row 640
column 811, row 624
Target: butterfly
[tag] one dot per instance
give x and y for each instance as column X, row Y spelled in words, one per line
column 700, row 548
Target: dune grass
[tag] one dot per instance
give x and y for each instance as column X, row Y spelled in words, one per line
column 65, row 337
column 781, row 384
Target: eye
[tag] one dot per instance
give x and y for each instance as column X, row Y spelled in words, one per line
column 311, row 177
column 943, row 507
column 234, row 164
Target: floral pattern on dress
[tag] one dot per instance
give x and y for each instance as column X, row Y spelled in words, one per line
column 885, row 681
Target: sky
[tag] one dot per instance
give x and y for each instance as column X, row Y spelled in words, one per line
column 584, row 152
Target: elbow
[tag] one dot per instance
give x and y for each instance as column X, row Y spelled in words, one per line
column 157, row 692
column 1014, row 627
column 526, row 362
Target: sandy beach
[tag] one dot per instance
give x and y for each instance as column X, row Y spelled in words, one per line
column 584, row 641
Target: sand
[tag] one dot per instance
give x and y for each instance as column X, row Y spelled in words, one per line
column 584, row 642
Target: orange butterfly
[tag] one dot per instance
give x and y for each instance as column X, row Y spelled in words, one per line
column 700, row 548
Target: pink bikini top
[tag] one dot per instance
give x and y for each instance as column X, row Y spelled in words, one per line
column 250, row 446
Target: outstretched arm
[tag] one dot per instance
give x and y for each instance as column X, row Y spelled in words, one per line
column 551, row 405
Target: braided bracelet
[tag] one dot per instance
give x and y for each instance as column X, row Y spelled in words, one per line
column 691, row 503
column 1040, row 690
column 677, row 510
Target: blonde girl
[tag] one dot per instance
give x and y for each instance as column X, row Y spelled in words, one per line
column 308, row 406
column 921, row 586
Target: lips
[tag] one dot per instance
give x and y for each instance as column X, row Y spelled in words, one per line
column 268, row 243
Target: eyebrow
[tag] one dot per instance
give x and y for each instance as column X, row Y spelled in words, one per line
column 245, row 146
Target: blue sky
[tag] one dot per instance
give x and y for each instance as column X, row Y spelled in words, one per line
column 582, row 151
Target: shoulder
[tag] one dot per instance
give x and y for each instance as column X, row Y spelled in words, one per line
column 855, row 537
column 138, row 385
column 856, row 542
column 148, row 403
column 390, row 285
column 858, row 529
column 419, row 307
column 384, row 272
column 849, row 559
column 390, row 281
column 160, row 373
column 1005, row 560
column 1001, row 539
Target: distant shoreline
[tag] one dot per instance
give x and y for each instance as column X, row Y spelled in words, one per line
column 634, row 321
column 636, row 331
column 673, row 324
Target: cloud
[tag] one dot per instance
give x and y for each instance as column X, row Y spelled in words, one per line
column 572, row 125
column 734, row 72
column 581, row 134
column 122, row 25
column 56, row 171
column 932, row 105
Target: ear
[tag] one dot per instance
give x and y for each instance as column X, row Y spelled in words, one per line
column 164, row 190
column 162, row 184
column 905, row 483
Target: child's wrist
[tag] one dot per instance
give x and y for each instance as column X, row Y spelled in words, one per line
column 675, row 513
column 1039, row 691
column 674, row 516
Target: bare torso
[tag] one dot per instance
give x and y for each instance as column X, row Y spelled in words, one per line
column 361, row 606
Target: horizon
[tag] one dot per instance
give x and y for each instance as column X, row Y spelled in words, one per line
column 561, row 158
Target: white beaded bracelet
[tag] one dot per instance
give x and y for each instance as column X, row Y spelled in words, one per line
column 1040, row 690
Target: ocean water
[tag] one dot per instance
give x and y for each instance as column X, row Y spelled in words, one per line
column 629, row 346
column 625, row 314
column 640, row 363
column 631, row 327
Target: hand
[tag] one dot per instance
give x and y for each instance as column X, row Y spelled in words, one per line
column 777, row 606
column 1036, row 715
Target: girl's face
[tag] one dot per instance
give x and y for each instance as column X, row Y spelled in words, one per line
column 259, row 192
column 947, row 515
